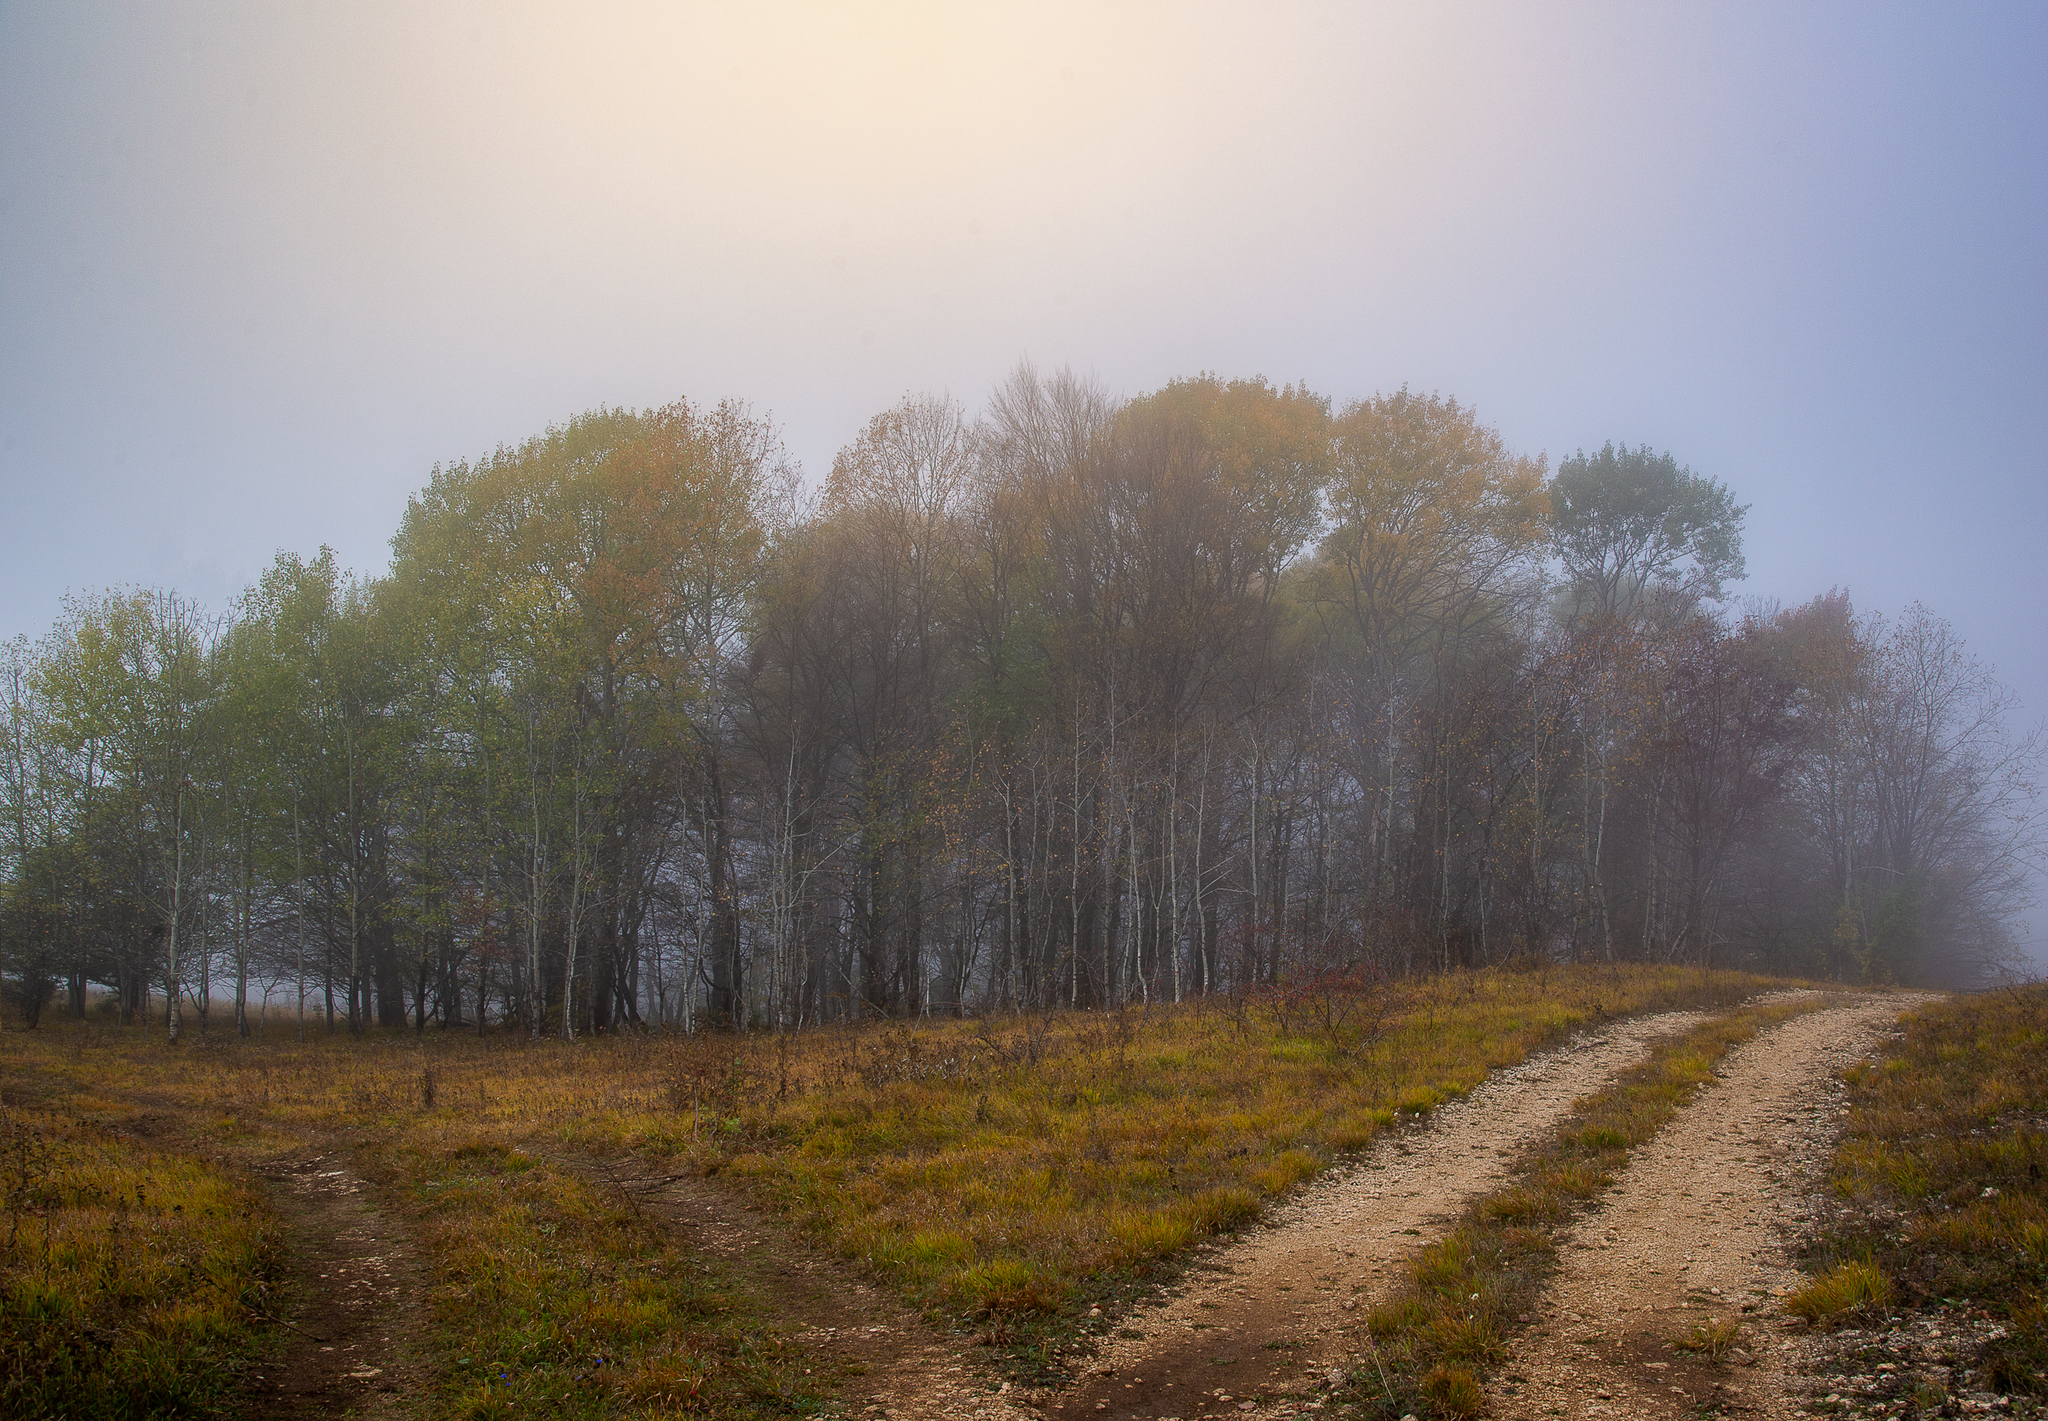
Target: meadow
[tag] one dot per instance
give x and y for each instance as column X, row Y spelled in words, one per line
column 1002, row 1175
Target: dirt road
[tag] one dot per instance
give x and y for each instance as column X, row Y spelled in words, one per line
column 1696, row 1229
column 1261, row 1325
column 355, row 1301
column 1265, row 1316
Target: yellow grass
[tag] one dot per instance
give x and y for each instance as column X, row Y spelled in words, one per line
column 1942, row 1177
column 131, row 1281
column 1008, row 1170
column 1851, row 1284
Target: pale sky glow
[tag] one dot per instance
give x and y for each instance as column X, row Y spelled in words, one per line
column 264, row 266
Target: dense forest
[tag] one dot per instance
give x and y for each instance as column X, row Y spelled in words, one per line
column 1080, row 702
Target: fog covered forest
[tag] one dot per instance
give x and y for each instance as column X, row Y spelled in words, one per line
column 1073, row 702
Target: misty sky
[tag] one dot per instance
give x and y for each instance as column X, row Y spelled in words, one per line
column 263, row 266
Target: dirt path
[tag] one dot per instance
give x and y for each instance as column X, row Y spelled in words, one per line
column 882, row 1359
column 1264, row 1317
column 353, row 1305
column 1260, row 1326
column 351, row 1310
column 1696, row 1229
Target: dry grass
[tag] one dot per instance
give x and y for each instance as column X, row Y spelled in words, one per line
column 1855, row 1284
column 549, row 1297
column 1940, row 1178
column 1713, row 1339
column 132, row 1282
column 558, row 1299
column 1022, row 1169
column 1008, row 1171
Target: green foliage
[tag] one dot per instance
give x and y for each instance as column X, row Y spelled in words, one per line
column 1897, row 937
column 1626, row 519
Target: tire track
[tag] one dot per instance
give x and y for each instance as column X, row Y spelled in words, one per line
column 353, row 1306
column 1695, row 1229
column 1263, row 1324
column 357, row 1289
column 878, row 1357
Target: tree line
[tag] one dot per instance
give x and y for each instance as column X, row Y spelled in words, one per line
column 1075, row 703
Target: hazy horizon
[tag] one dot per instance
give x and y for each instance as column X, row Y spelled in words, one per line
column 267, row 268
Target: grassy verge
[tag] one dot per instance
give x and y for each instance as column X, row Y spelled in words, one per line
column 131, row 1281
column 1003, row 1174
column 1469, row 1290
column 1940, row 1182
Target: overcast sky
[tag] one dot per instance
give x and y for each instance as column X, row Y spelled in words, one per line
column 263, row 266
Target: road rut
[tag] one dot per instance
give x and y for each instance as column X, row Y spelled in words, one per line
column 1698, row 1227
column 1261, row 1325
column 358, row 1288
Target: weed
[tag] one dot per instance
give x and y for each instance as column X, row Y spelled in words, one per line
column 1853, row 1284
column 1453, row 1391
column 1929, row 1395
column 1713, row 1339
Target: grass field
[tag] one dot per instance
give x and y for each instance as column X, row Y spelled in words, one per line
column 1940, row 1177
column 999, row 1174
column 135, row 1281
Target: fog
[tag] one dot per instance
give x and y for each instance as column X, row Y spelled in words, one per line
column 265, row 268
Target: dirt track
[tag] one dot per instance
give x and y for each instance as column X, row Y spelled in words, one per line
column 350, row 1308
column 356, row 1285
column 1696, row 1229
column 880, row 1357
column 1269, row 1316
column 1265, row 1317
column 1260, row 1326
